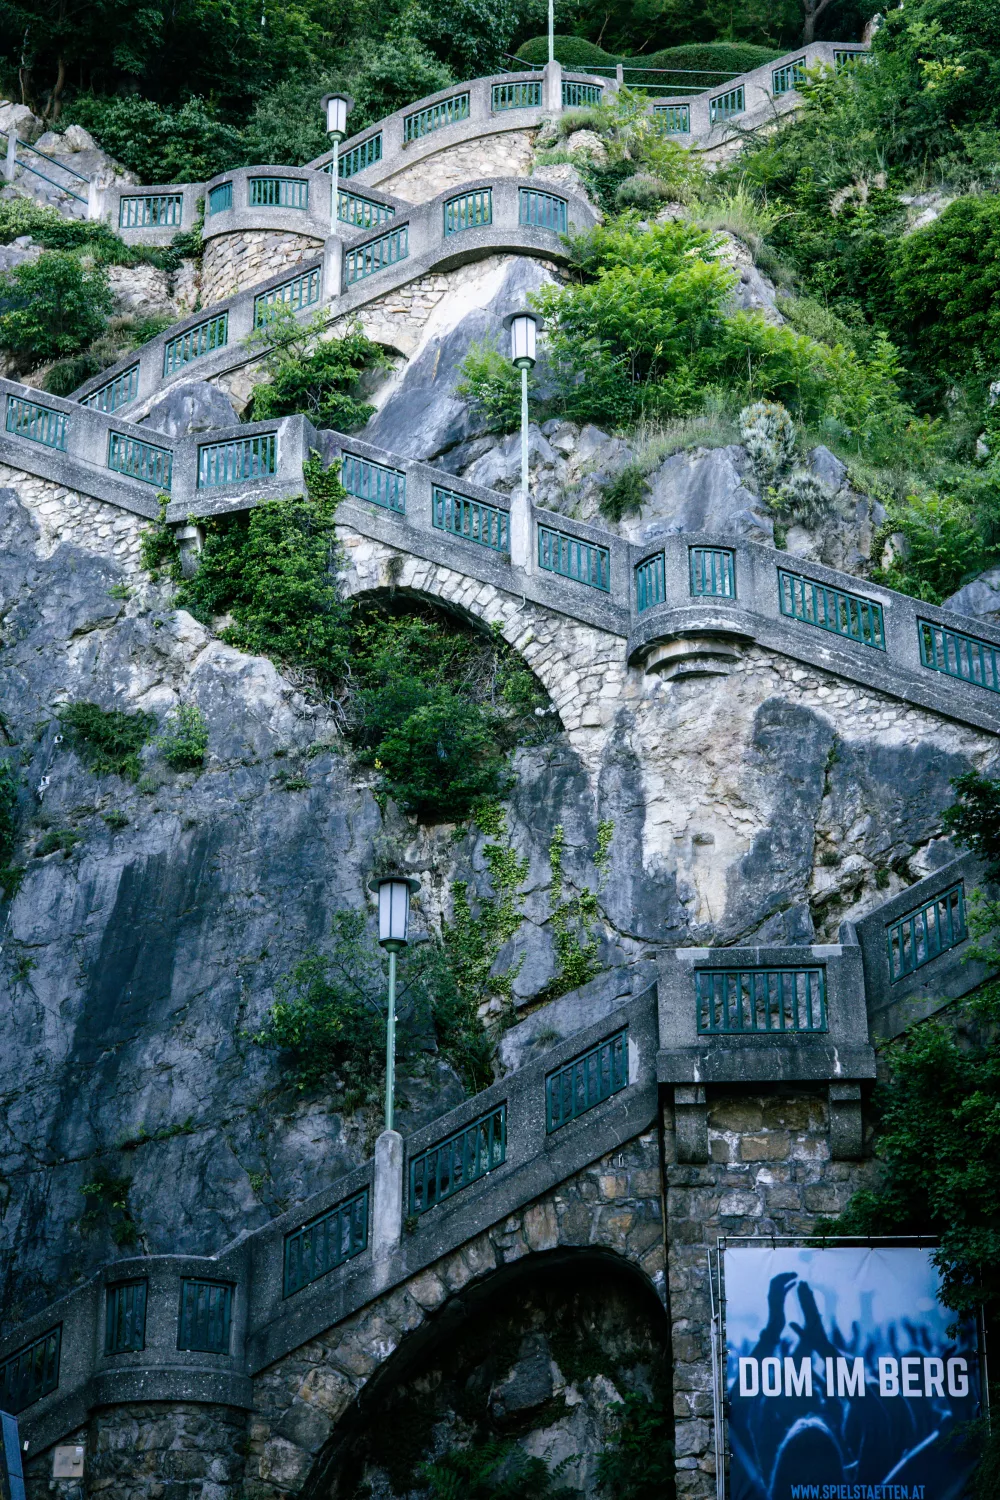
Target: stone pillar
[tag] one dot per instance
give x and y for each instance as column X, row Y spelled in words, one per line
column 520, row 530
column 846, row 1131
column 95, row 200
column 691, row 1122
column 619, row 74
column 333, row 268
column 11, row 160
column 552, row 87
column 387, row 1218
column 190, row 540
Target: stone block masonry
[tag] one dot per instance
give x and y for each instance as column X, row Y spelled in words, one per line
column 65, row 516
column 233, row 262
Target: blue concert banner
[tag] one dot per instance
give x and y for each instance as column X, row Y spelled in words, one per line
column 842, row 1381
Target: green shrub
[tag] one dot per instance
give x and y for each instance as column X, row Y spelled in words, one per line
column 638, row 1463
column 625, row 495
column 393, row 73
column 945, row 547
column 496, row 1469
column 767, row 432
column 186, row 739
column 643, row 192
column 52, row 307
column 162, row 143
column 314, row 376
column 11, row 875
column 64, row 839
column 947, row 283
column 107, row 741
column 974, row 818
column 573, row 52
column 492, row 386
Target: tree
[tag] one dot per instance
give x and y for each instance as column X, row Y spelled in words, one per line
column 52, row 307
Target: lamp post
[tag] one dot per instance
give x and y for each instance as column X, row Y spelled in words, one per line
column 552, row 30
column 336, row 107
column 394, row 892
column 523, row 341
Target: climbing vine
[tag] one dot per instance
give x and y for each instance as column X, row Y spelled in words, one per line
column 573, row 918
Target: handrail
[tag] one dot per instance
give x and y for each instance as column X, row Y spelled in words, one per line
column 55, row 161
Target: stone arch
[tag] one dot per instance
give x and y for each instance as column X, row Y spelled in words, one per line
column 582, row 668
column 523, row 1340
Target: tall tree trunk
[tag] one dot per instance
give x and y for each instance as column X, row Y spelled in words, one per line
column 55, row 98
column 812, row 10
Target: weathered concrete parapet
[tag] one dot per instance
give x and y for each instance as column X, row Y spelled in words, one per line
column 691, row 1121
column 552, row 82
column 387, row 1206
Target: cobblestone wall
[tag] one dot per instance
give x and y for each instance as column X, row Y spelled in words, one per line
column 63, row 515
column 233, row 262
column 770, row 1173
column 506, row 155
column 616, row 1204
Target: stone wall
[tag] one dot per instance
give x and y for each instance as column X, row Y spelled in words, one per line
column 63, row 515
column 770, row 1173
column 506, row 155
column 232, row 262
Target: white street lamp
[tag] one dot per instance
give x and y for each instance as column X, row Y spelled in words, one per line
column 336, row 107
column 394, row 892
column 524, row 328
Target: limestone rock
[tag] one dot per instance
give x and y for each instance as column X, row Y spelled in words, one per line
column 980, row 598
column 193, row 407
column 703, row 490
column 18, row 117
column 561, row 174
column 75, row 138
column 753, row 292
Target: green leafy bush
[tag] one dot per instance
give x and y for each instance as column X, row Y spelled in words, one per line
column 638, row 1463
column 107, row 741
column 492, row 386
column 945, row 547
column 186, row 739
column 625, row 495
column 312, row 375
column 162, row 143
column 573, row 918
column 11, row 875
column 493, row 1470
column 52, row 307
column 947, row 283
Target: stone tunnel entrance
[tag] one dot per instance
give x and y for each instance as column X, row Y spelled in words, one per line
column 541, row 1355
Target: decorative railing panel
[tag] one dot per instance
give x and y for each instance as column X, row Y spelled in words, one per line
column 926, row 933
column 571, row 557
column 575, row 95
column 244, row 458
column 279, row 192
column 468, row 211
column 673, row 119
column 847, row 58
column 650, row 582
column 516, row 96
column 834, row 610
column 125, row 1317
column 195, row 342
column 40, row 424
column 737, row 1002
column 151, row 211
column 364, row 154
column 326, row 1242
column 115, row 394
column 363, row 213
column 30, row 1373
column 368, row 480
column 586, row 1081
column 143, row 461
column 713, row 572
column 544, row 210
column 220, row 198
column 205, row 1316
column 375, row 255
column 786, row 79
column 301, row 291
column 463, row 1158
column 725, row 106
column 423, row 121
column 956, row 654
column 470, row 519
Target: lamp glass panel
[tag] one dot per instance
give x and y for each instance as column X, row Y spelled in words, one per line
column 336, row 114
column 522, row 338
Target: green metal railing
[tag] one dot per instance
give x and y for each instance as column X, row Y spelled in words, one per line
column 371, row 481
column 301, row 291
column 470, row 519
column 423, row 121
column 847, row 59
column 834, row 610
column 220, row 198
column 151, row 211
column 576, row 94
column 326, row 1242
column 785, row 80
column 650, row 582
column 195, row 342
column 279, row 192
column 40, row 424
column 736, row 1002
column 926, row 933
column 30, row 1373
column 468, row 211
column 243, row 458
column 205, row 1316
column 365, row 154
column 586, row 1081
column 570, row 557
column 374, row 256
column 463, row 1158
column 956, row 654
column 516, row 96
column 144, row 461
column 713, row 572
column 725, row 106
column 115, row 393
column 673, row 119
column 546, row 210
column 125, row 1317
column 363, row 213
